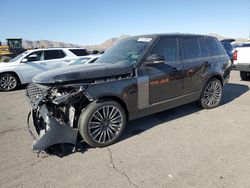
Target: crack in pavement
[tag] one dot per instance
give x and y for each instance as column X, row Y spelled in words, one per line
column 119, row 171
column 11, row 130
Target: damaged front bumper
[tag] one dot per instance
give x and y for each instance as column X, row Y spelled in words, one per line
column 52, row 120
column 49, row 130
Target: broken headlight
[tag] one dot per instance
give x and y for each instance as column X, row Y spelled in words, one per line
column 62, row 94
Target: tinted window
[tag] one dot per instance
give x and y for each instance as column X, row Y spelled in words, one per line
column 245, row 45
column 168, row 48
column 203, row 48
column 227, row 46
column 214, row 47
column 79, row 52
column 35, row 56
column 191, row 48
column 53, row 54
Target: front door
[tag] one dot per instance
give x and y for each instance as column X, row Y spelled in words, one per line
column 165, row 79
column 33, row 66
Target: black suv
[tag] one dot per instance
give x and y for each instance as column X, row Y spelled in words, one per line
column 227, row 44
column 138, row 76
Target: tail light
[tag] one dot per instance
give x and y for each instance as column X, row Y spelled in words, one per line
column 235, row 55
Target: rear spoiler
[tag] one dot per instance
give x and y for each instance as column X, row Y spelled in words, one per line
column 228, row 40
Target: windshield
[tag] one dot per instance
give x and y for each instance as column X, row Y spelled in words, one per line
column 19, row 57
column 126, row 52
column 80, row 61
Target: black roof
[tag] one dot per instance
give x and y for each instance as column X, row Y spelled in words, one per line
column 172, row 34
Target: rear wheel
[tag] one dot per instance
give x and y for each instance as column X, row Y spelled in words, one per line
column 245, row 75
column 211, row 94
column 102, row 123
column 8, row 82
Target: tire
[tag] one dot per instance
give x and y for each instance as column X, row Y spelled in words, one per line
column 8, row 82
column 244, row 75
column 211, row 94
column 95, row 123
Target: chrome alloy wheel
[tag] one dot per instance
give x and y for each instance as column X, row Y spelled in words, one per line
column 213, row 93
column 8, row 82
column 105, row 124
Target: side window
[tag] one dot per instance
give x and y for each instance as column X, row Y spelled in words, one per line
column 62, row 54
column 190, row 48
column 168, row 48
column 203, row 47
column 214, row 47
column 35, row 56
column 53, row 54
column 79, row 52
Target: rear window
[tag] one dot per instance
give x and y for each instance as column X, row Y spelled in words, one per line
column 227, row 46
column 79, row 52
column 203, row 47
column 53, row 54
column 214, row 47
column 191, row 48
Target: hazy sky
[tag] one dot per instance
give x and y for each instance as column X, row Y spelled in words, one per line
column 93, row 21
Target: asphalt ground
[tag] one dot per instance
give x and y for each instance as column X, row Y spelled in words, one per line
column 181, row 147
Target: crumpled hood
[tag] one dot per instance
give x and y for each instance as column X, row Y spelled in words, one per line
column 84, row 72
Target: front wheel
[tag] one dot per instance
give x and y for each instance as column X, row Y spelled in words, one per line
column 102, row 123
column 211, row 94
column 8, row 82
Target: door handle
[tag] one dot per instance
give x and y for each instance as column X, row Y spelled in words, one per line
column 43, row 64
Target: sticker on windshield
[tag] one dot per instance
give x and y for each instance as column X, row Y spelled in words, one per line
column 144, row 39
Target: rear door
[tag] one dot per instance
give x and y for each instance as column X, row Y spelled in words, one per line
column 195, row 60
column 55, row 59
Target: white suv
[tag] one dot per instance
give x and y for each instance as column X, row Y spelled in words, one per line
column 25, row 66
column 241, row 61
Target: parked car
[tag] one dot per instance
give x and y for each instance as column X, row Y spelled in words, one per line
column 241, row 61
column 227, row 44
column 137, row 77
column 247, row 44
column 85, row 60
column 25, row 66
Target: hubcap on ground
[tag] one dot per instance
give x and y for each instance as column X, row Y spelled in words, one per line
column 105, row 124
column 8, row 82
column 213, row 93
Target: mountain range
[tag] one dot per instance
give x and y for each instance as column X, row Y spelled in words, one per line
column 28, row 44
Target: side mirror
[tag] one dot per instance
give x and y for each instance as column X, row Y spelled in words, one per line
column 155, row 59
column 24, row 60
